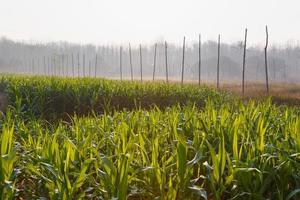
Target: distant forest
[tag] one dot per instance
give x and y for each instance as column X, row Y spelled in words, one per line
column 68, row 59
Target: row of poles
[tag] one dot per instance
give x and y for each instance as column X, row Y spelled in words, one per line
column 51, row 62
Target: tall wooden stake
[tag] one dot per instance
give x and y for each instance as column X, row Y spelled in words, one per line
column 121, row 75
column 67, row 65
column 199, row 62
column 52, row 71
column 182, row 67
column 32, row 66
column 96, row 62
column 72, row 65
column 218, row 63
column 166, row 58
column 130, row 60
column 141, row 62
column 90, row 68
column 38, row 66
column 266, row 59
column 284, row 72
column 244, row 62
column 154, row 61
column 48, row 65
column 83, row 64
column 44, row 65
column 63, row 64
column 78, row 65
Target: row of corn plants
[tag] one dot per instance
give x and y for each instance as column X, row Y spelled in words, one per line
column 222, row 151
column 53, row 98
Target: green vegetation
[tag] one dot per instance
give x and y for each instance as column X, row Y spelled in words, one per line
column 200, row 144
column 53, row 98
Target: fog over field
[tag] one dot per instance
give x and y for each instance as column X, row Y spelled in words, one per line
column 56, row 59
column 40, row 37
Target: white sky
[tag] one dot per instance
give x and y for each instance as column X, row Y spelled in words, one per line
column 141, row 21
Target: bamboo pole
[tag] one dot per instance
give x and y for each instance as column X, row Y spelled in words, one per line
column 154, row 61
column 244, row 62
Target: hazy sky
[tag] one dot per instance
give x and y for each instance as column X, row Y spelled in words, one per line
column 141, row 21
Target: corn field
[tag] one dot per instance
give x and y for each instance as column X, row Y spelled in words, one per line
column 98, row 139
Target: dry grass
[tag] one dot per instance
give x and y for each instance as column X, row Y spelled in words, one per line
column 281, row 93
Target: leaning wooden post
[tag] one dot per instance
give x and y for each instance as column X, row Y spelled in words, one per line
column 130, row 60
column 154, row 62
column 141, row 62
column 199, row 62
column 218, row 63
column 121, row 75
column 96, row 62
column 166, row 58
column 244, row 62
column 266, row 59
column 182, row 67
